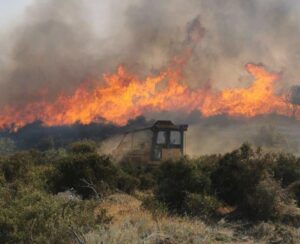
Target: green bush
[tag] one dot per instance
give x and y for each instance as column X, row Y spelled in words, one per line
column 84, row 146
column 147, row 181
column 286, row 168
column 36, row 217
column 155, row 206
column 200, row 205
column 146, row 175
column 243, row 178
column 177, row 179
column 89, row 173
column 77, row 171
column 17, row 166
column 266, row 201
column 21, row 165
column 127, row 183
column 238, row 174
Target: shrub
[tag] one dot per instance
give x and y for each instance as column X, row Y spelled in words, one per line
column 238, row 174
column 35, row 217
column 278, row 233
column 127, row 183
column 84, row 146
column 78, row 170
column 16, row 166
column 172, row 183
column 20, row 165
column 146, row 175
column 266, row 201
column 155, row 206
column 294, row 191
column 89, row 173
column 286, row 168
column 201, row 205
column 176, row 179
column 242, row 178
column 147, row 181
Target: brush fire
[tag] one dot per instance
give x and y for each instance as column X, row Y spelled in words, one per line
column 149, row 121
column 125, row 96
column 37, row 76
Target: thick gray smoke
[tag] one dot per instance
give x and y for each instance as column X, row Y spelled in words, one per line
column 295, row 95
column 236, row 32
column 59, row 44
column 49, row 52
column 223, row 134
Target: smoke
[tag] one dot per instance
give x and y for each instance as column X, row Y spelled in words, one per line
column 295, row 95
column 236, row 32
column 256, row 31
column 59, row 44
column 49, row 53
column 222, row 134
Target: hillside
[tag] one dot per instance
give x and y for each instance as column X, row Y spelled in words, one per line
column 75, row 195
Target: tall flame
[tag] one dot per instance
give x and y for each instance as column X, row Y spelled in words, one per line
column 124, row 96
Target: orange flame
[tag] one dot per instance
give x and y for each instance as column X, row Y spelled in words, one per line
column 257, row 99
column 124, row 96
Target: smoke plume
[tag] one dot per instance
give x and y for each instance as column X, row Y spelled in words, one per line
column 58, row 45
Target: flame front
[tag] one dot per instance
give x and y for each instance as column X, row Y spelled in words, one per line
column 124, row 96
column 257, row 99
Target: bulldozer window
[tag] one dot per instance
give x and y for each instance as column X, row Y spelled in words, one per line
column 157, row 153
column 161, row 137
column 175, row 138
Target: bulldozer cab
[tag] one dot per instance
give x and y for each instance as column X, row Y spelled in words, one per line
column 167, row 141
column 163, row 141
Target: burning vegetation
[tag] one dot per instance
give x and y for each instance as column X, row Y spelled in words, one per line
column 124, row 96
column 88, row 152
column 117, row 97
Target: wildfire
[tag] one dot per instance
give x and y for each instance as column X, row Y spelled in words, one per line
column 257, row 99
column 124, row 96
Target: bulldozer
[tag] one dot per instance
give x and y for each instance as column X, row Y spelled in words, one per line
column 162, row 141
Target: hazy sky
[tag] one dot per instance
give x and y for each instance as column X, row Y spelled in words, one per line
column 11, row 11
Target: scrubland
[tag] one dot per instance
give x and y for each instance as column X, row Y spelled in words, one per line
column 74, row 195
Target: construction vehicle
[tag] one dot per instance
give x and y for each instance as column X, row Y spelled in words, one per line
column 152, row 145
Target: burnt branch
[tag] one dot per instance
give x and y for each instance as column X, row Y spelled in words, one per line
column 90, row 185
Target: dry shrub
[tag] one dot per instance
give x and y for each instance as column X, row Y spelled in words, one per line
column 203, row 206
column 140, row 227
column 275, row 233
column 156, row 207
column 35, row 217
column 266, row 202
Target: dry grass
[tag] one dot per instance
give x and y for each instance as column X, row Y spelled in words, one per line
column 276, row 233
column 132, row 224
